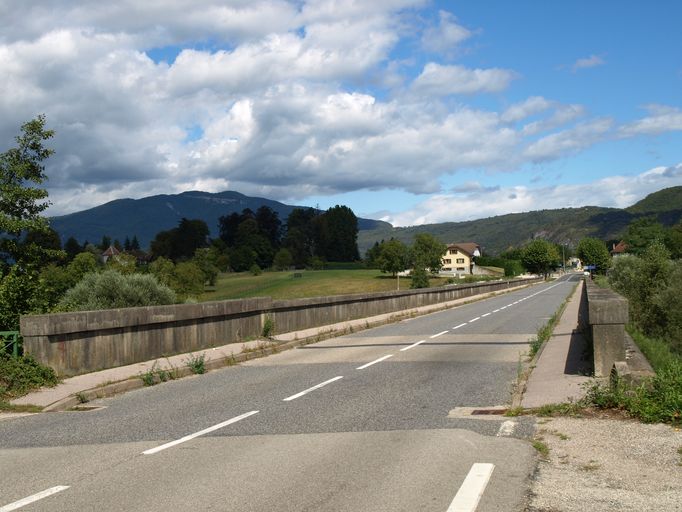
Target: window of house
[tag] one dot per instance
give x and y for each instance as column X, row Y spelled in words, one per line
column 460, row 260
column 453, row 251
column 447, row 261
column 460, row 269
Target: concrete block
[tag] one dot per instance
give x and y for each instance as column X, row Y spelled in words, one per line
column 608, row 347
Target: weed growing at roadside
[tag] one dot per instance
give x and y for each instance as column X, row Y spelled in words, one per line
column 656, row 400
column 148, row 377
column 197, row 363
column 82, row 398
column 541, row 447
column 563, row 409
column 268, row 327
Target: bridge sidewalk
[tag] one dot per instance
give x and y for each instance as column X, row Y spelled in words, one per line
column 562, row 366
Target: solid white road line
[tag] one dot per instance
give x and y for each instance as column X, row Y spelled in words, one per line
column 460, row 325
column 412, row 346
column 200, row 433
column 374, row 362
column 472, row 488
column 506, row 429
column 31, row 499
column 439, row 334
column 474, row 319
column 298, row 395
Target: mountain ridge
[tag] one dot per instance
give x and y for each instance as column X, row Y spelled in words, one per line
column 147, row 216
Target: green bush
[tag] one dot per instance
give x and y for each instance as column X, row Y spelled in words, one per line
column 19, row 375
column 420, row 278
column 110, row 289
column 657, row 400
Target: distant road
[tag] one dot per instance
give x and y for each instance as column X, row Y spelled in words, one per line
column 365, row 422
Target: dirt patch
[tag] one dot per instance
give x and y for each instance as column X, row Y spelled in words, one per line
column 600, row 464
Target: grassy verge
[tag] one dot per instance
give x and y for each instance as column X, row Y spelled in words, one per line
column 312, row 283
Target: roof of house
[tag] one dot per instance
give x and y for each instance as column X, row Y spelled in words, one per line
column 111, row 251
column 619, row 248
column 467, row 247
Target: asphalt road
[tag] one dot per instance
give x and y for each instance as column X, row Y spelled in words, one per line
column 370, row 421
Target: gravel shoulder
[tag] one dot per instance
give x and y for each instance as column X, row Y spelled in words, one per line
column 607, row 465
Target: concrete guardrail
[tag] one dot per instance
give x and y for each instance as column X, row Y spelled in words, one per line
column 615, row 354
column 82, row 342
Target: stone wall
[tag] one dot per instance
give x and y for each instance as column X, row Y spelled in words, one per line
column 81, row 342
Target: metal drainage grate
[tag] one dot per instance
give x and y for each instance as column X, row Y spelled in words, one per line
column 488, row 412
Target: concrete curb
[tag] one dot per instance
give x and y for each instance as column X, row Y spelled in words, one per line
column 270, row 346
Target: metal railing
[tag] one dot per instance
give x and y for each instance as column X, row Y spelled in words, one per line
column 10, row 341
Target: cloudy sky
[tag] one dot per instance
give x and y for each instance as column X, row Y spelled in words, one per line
column 410, row 111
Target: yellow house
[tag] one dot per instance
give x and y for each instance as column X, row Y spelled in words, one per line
column 459, row 258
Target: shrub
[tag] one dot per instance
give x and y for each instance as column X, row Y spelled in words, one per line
column 188, row 279
column 420, row 278
column 658, row 399
column 255, row 270
column 110, row 289
column 19, row 375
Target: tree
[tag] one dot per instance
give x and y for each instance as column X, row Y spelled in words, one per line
column 72, row 247
column 283, row 259
column 269, row 225
column 21, row 203
column 394, row 257
column 673, row 241
column 593, row 251
column 180, row 243
column 21, row 200
column 189, row 279
column 372, row 255
column 341, row 230
column 540, row 256
column 642, row 232
column 205, row 258
column 300, row 235
column 428, row 251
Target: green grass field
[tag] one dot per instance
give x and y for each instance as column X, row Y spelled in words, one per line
column 312, row 283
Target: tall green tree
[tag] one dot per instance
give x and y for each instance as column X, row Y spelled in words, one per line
column 593, row 251
column 180, row 243
column 428, row 251
column 394, row 257
column 22, row 200
column 643, row 232
column 540, row 257
column 342, row 232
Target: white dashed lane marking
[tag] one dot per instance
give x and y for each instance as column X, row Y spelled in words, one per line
column 305, row 392
column 473, row 487
column 374, row 362
column 412, row 346
column 33, row 498
column 200, row 433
